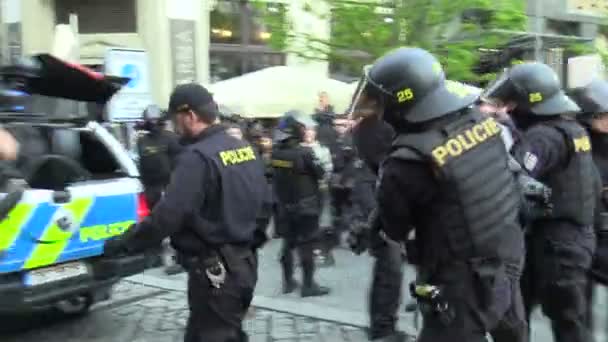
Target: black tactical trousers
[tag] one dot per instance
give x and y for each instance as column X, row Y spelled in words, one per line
column 556, row 277
column 216, row 315
column 499, row 312
column 385, row 292
column 301, row 237
column 305, row 252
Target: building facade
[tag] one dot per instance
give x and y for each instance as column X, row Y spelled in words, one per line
column 583, row 19
column 185, row 40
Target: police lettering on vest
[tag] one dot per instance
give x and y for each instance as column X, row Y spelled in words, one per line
column 465, row 141
column 582, row 144
column 237, row 156
column 284, row 164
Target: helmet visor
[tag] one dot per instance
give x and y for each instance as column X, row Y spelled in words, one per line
column 500, row 91
column 366, row 101
column 355, row 100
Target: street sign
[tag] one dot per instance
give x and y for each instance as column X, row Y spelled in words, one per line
column 129, row 103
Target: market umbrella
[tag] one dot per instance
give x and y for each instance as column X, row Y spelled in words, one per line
column 273, row 91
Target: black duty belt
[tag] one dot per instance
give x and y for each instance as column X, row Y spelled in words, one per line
column 228, row 254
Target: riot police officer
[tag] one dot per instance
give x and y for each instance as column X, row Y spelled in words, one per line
column 593, row 101
column 210, row 210
column 157, row 149
column 446, row 177
column 556, row 150
column 372, row 140
column 296, row 177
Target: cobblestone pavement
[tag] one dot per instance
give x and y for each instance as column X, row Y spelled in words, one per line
column 142, row 314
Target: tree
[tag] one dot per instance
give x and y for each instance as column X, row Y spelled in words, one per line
column 454, row 30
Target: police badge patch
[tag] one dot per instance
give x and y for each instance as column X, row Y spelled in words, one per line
column 530, row 161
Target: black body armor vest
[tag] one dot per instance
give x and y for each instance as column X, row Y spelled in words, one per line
column 475, row 212
column 573, row 195
column 296, row 184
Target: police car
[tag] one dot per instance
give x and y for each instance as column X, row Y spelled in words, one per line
column 80, row 191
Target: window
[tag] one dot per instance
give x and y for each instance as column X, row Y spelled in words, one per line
column 224, row 65
column 259, row 61
column 566, row 28
column 227, row 64
column 259, row 31
column 225, row 21
column 240, row 37
column 99, row 16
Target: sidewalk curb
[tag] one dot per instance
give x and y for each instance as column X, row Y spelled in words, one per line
column 289, row 306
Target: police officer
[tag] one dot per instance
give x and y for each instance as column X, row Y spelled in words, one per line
column 372, row 138
column 210, row 210
column 593, row 101
column 556, row 150
column 297, row 173
column 157, row 149
column 446, row 177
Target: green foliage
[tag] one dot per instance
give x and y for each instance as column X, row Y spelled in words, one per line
column 579, row 49
column 359, row 26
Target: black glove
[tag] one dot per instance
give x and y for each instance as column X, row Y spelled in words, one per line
column 536, row 199
column 114, row 246
column 359, row 237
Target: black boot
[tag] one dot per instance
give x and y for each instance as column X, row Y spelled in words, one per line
column 315, row 290
column 289, row 284
column 310, row 288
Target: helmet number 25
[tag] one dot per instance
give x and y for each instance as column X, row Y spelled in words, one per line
column 405, row 95
column 535, row 97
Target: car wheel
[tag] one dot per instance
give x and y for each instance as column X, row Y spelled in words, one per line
column 74, row 306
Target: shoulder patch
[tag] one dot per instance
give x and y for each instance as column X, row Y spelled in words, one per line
column 530, row 161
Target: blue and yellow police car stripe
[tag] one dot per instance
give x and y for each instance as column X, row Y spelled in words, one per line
column 31, row 238
column 54, row 239
column 11, row 226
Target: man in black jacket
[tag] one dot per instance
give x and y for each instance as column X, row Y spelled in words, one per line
column 296, row 177
column 212, row 211
column 593, row 101
column 556, row 150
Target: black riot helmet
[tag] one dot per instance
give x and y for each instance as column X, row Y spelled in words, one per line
column 291, row 125
column 410, row 83
column 592, row 98
column 534, row 87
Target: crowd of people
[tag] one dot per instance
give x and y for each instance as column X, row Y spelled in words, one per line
column 495, row 198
